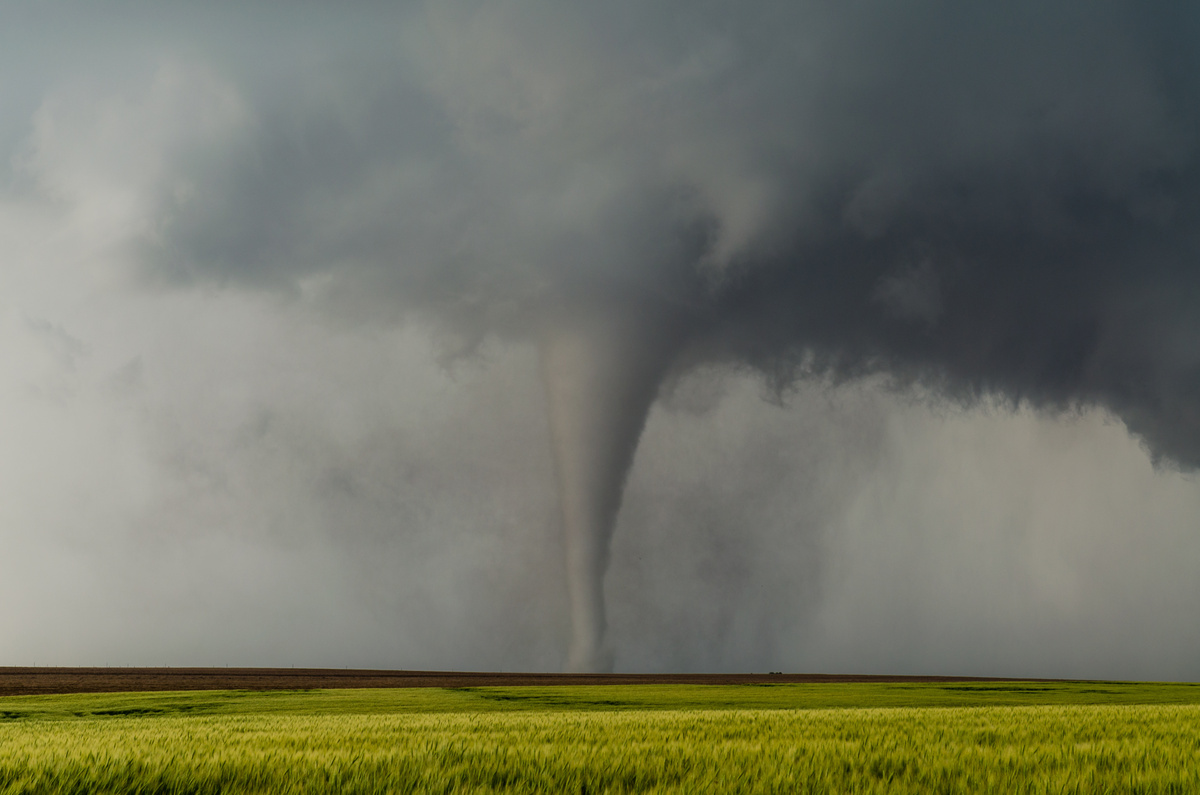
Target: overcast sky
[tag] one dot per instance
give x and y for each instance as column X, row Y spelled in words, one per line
column 271, row 278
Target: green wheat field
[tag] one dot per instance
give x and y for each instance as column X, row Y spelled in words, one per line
column 994, row 737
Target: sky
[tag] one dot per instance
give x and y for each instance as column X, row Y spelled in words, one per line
column 275, row 281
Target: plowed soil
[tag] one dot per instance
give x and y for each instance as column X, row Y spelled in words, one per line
column 30, row 681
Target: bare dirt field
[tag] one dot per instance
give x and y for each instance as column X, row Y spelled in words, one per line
column 29, row 681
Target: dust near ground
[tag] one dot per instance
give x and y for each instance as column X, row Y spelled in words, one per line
column 31, row 681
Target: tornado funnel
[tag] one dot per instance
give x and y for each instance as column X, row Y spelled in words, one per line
column 601, row 367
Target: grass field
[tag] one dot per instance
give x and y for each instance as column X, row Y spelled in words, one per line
column 946, row 737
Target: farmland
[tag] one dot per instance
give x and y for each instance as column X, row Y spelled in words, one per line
column 835, row 737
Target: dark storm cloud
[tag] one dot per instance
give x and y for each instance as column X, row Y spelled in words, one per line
column 990, row 202
column 990, row 199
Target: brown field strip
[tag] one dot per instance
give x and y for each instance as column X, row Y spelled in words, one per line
column 16, row 681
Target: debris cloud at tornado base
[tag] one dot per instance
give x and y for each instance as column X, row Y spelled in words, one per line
column 972, row 203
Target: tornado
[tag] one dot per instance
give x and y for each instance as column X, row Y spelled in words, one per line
column 601, row 366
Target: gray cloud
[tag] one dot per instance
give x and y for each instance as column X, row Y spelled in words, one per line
column 993, row 206
column 774, row 171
